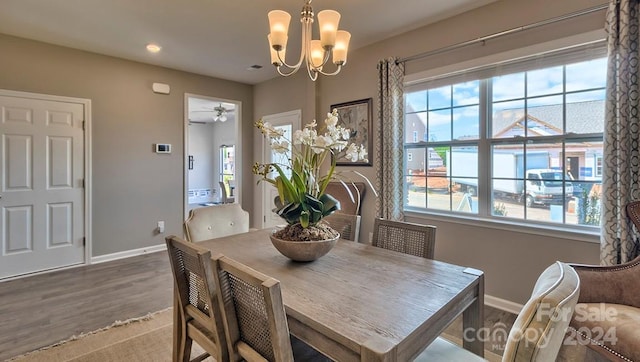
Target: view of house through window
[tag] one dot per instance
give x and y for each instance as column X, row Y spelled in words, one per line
column 525, row 145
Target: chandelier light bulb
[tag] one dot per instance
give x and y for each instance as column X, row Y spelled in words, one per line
column 328, row 21
column 279, row 24
column 340, row 49
column 317, row 54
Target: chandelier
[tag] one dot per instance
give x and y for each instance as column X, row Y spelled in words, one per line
column 314, row 53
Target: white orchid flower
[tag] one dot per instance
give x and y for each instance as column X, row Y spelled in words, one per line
column 280, row 147
column 321, row 144
column 352, row 153
column 362, row 153
column 331, row 121
column 339, row 145
column 298, row 137
column 305, row 153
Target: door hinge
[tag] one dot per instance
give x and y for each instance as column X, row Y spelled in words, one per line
column 265, row 218
column 84, row 241
column 83, row 124
column 82, row 183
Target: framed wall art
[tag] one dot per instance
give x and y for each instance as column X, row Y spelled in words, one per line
column 357, row 116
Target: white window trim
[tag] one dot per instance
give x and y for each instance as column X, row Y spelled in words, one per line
column 423, row 76
column 569, row 231
column 564, row 231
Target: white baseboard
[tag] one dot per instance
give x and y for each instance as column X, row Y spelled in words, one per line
column 502, row 304
column 127, row 254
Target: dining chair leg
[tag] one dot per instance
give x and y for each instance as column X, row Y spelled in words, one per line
column 177, row 329
column 181, row 343
column 185, row 347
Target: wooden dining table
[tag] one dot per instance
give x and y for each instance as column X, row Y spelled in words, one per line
column 364, row 303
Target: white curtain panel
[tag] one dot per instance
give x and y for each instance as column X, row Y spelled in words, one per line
column 389, row 143
column 619, row 243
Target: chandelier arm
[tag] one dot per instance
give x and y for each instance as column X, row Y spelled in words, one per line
column 302, row 53
column 288, row 65
column 306, row 45
column 292, row 72
column 332, row 73
column 327, row 54
column 313, row 73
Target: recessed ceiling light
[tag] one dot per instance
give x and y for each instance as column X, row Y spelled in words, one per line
column 153, row 48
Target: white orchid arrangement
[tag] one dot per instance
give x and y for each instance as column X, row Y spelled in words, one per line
column 301, row 198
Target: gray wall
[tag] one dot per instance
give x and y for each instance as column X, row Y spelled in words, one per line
column 512, row 260
column 133, row 187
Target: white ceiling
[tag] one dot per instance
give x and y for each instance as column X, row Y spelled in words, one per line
column 203, row 110
column 219, row 38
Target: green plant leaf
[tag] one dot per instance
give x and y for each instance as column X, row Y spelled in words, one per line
column 291, row 212
column 304, row 219
column 288, row 191
column 329, row 204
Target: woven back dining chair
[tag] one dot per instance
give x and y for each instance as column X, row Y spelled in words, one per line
column 408, row 238
column 253, row 313
column 198, row 304
column 347, row 225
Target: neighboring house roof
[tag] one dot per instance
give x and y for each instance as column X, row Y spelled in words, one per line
column 582, row 117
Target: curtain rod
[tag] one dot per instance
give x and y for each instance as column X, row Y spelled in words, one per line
column 503, row 33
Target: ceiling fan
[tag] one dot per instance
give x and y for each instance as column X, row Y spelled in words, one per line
column 220, row 113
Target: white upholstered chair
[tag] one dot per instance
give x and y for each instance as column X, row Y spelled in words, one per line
column 539, row 330
column 216, row 221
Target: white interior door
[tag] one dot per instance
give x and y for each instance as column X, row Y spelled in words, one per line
column 289, row 122
column 41, row 183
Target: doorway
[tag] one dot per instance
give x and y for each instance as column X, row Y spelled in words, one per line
column 212, row 151
column 288, row 122
column 44, row 199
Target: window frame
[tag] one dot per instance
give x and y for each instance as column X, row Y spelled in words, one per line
column 485, row 144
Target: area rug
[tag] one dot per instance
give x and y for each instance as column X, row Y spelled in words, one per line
column 148, row 338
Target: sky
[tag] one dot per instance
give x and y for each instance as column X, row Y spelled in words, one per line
column 454, row 110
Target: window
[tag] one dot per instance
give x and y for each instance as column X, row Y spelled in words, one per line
column 228, row 167
column 521, row 141
column 598, row 162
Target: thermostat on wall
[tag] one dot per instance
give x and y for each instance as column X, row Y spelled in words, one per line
column 163, row 148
